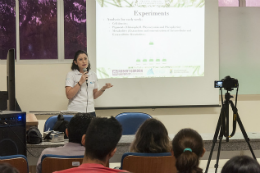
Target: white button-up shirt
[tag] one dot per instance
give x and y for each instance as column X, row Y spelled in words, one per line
column 83, row 101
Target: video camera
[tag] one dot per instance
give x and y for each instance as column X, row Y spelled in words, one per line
column 227, row 83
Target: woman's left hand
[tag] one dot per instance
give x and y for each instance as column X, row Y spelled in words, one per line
column 108, row 85
column 98, row 93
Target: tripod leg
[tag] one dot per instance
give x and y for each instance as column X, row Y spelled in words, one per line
column 214, row 141
column 219, row 147
column 242, row 128
column 245, row 135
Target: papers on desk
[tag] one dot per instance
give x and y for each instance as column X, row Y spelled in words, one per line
column 53, row 136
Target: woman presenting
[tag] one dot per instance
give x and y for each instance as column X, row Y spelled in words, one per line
column 82, row 85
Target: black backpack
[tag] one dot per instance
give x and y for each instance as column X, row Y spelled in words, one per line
column 61, row 125
column 34, row 136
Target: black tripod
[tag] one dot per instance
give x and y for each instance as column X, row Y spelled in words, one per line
column 223, row 127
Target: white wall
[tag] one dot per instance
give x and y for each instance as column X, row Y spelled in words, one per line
column 203, row 119
column 239, row 46
column 40, row 87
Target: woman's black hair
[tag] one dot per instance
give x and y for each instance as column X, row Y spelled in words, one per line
column 241, row 164
column 187, row 146
column 74, row 66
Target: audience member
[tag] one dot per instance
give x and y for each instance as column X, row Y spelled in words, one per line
column 151, row 137
column 241, row 164
column 77, row 127
column 101, row 139
column 187, row 147
column 7, row 168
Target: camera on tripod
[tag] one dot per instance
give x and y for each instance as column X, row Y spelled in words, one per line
column 222, row 128
column 227, row 83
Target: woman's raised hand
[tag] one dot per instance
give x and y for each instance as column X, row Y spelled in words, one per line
column 107, row 85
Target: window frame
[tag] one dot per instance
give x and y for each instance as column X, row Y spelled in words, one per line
column 60, row 39
column 242, row 3
column 248, row 6
column 61, row 44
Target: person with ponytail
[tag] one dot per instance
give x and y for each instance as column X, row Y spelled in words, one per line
column 187, row 148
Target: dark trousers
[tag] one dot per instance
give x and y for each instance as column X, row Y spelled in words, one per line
column 93, row 114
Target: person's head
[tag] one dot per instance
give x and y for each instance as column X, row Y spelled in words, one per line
column 80, row 61
column 78, row 126
column 7, row 168
column 101, row 138
column 241, row 164
column 151, row 137
column 187, row 147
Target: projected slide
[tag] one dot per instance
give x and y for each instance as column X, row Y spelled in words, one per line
column 149, row 38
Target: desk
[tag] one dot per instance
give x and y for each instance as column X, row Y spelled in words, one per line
column 236, row 143
column 31, row 120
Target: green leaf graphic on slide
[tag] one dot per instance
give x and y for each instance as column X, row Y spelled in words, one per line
column 102, row 72
column 117, row 3
column 197, row 70
column 187, row 3
column 201, row 4
column 168, row 3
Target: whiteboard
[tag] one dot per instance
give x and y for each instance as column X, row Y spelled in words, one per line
column 158, row 92
column 240, row 46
